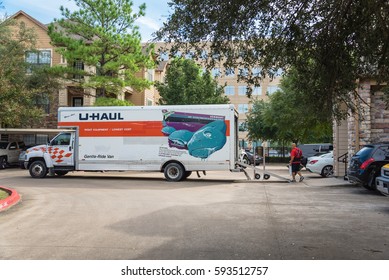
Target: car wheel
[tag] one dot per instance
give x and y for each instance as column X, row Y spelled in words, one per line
column 246, row 160
column 327, row 171
column 38, row 169
column 174, row 172
column 3, row 163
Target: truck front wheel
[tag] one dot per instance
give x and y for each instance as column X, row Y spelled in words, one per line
column 174, row 172
column 38, row 169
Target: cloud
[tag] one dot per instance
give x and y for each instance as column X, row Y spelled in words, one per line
column 148, row 22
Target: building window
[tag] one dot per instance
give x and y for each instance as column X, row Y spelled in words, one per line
column 4, row 137
column 163, row 56
column 242, row 126
column 257, row 90
column 150, row 75
column 256, row 72
column 77, row 102
column 229, row 90
column 216, row 55
column 242, row 90
column 243, row 72
column 78, row 65
column 230, row 72
column 215, row 72
column 149, row 102
column 279, row 72
column 37, row 59
column 204, row 55
column 42, row 101
column 63, row 60
column 189, row 55
column 272, row 89
column 243, row 108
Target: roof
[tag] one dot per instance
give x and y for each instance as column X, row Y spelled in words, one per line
column 37, row 22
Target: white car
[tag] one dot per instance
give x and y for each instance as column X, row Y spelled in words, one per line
column 323, row 164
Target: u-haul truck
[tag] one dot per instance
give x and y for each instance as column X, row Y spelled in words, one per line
column 175, row 140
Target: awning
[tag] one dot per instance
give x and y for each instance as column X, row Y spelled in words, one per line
column 33, row 130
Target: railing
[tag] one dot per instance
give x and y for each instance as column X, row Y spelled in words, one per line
column 344, row 158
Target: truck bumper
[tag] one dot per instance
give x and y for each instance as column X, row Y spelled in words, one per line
column 382, row 185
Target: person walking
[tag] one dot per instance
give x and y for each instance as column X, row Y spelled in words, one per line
column 295, row 161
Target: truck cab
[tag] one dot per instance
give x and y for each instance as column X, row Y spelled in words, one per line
column 57, row 156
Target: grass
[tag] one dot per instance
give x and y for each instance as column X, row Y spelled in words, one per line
column 3, row 194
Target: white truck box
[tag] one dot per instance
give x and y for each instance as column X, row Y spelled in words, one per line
column 175, row 140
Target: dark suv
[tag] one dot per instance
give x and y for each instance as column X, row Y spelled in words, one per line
column 366, row 164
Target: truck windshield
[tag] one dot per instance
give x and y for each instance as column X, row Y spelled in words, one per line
column 3, row 145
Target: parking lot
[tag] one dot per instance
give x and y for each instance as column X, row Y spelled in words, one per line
column 221, row 216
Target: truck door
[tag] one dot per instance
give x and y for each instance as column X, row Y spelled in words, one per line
column 13, row 152
column 61, row 149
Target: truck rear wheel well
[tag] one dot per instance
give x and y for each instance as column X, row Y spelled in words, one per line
column 171, row 161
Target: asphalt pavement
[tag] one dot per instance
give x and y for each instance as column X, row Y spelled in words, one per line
column 134, row 215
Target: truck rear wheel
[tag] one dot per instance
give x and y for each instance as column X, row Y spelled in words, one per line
column 38, row 169
column 174, row 172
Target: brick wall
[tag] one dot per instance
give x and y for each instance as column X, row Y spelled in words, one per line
column 371, row 123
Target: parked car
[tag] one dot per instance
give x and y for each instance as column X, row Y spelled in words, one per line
column 273, row 153
column 310, row 150
column 365, row 166
column 382, row 182
column 247, row 157
column 9, row 153
column 322, row 164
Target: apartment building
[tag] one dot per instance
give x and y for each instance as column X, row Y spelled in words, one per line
column 45, row 55
column 70, row 94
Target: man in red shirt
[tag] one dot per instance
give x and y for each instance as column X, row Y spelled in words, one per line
column 295, row 161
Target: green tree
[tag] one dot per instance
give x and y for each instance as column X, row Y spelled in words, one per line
column 288, row 117
column 19, row 91
column 185, row 84
column 106, row 101
column 102, row 34
column 330, row 42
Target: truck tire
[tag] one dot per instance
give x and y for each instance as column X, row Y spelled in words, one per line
column 3, row 163
column 174, row 172
column 38, row 169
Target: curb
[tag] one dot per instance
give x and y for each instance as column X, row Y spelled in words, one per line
column 11, row 200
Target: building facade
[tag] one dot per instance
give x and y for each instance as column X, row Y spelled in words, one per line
column 369, row 124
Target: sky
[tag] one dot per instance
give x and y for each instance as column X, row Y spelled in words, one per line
column 46, row 10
